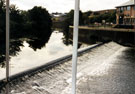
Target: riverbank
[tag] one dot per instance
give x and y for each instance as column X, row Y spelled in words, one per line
column 124, row 37
column 104, row 28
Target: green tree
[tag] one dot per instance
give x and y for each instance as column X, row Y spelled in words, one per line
column 39, row 25
column 70, row 18
column 39, row 20
column 86, row 17
column 35, row 25
column 2, row 16
column 16, row 22
column 108, row 17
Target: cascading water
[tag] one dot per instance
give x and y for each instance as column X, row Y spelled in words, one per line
column 109, row 60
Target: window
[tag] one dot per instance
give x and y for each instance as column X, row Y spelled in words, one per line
column 128, row 8
column 121, row 9
column 134, row 7
column 125, row 8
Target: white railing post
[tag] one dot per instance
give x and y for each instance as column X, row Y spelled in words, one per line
column 75, row 46
column 7, row 46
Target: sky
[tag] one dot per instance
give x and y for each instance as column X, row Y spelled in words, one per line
column 66, row 5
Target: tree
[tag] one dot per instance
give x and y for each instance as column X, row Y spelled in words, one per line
column 108, row 17
column 33, row 25
column 2, row 16
column 39, row 19
column 86, row 17
column 16, row 22
column 2, row 4
column 39, row 25
column 70, row 18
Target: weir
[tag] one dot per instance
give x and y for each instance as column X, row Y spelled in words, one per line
column 46, row 66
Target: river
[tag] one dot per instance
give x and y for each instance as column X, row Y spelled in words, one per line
column 31, row 53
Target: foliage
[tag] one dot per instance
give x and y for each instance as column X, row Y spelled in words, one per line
column 70, row 17
column 16, row 22
column 86, row 17
column 108, row 17
column 2, row 16
column 39, row 20
column 33, row 25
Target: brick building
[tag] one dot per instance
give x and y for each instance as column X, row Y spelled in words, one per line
column 126, row 13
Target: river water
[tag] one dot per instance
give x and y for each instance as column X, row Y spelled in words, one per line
column 31, row 54
column 108, row 69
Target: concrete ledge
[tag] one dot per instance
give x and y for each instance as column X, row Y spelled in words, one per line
column 102, row 29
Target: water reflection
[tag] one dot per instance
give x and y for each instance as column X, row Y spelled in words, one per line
column 27, row 58
column 35, row 49
column 35, row 40
column 83, row 38
column 38, row 42
column 46, row 43
column 129, row 55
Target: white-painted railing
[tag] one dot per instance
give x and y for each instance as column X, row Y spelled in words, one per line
column 75, row 46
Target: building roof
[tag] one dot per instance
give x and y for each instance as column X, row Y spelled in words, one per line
column 130, row 2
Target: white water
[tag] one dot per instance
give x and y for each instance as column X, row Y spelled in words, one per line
column 58, row 80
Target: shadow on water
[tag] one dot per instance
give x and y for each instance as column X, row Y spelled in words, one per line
column 127, row 58
column 35, row 39
column 128, row 55
column 32, row 26
column 68, row 40
column 83, row 38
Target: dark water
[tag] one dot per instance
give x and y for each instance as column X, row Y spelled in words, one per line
column 48, row 46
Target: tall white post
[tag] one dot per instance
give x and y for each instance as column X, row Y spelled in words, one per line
column 75, row 46
column 7, row 46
